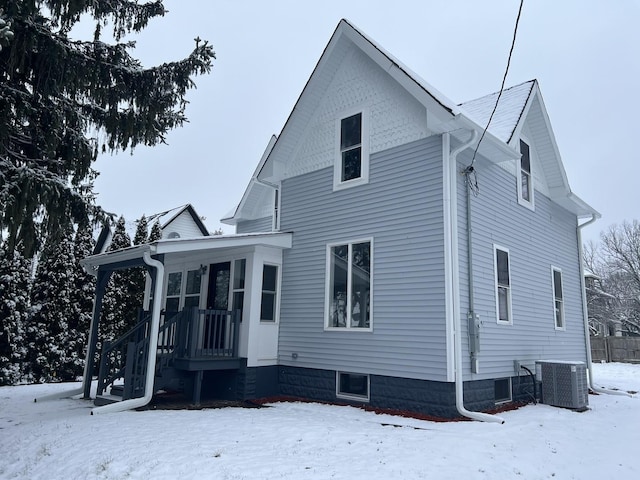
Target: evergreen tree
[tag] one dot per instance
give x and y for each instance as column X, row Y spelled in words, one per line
column 14, row 303
column 66, row 100
column 137, row 275
column 82, row 296
column 47, row 330
column 116, row 319
column 156, row 232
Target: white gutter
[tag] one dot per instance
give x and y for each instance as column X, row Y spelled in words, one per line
column 153, row 345
column 454, row 276
column 585, row 314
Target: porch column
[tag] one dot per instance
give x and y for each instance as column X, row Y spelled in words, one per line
column 101, row 285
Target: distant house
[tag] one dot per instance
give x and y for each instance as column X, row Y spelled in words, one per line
column 383, row 256
column 180, row 222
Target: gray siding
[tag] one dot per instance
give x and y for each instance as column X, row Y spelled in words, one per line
column 254, row 226
column 401, row 209
column 536, row 240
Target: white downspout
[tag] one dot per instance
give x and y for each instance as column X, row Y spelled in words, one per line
column 455, row 281
column 585, row 314
column 153, row 345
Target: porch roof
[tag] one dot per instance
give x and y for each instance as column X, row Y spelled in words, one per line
column 129, row 256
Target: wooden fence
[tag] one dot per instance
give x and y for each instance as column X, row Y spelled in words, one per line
column 615, row 349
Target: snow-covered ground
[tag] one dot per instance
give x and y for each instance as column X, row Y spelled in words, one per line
column 60, row 440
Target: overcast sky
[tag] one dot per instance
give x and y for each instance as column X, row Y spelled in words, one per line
column 585, row 54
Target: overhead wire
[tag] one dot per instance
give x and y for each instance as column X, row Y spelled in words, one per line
column 469, row 171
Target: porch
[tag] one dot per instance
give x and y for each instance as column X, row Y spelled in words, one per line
column 190, row 342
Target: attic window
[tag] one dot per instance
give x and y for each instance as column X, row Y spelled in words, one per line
column 352, row 162
column 525, row 179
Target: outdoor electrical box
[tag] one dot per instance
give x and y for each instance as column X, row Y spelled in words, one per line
column 474, row 333
column 564, row 384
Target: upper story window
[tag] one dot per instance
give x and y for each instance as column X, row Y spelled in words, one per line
column 352, row 162
column 558, row 302
column 503, row 285
column 525, row 178
column 348, row 298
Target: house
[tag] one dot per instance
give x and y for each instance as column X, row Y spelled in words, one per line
column 383, row 255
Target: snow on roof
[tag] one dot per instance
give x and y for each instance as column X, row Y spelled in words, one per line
column 510, row 108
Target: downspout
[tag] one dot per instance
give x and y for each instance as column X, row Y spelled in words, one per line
column 153, row 345
column 585, row 314
column 455, row 283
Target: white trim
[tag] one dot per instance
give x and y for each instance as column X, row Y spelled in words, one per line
column 449, row 192
column 530, row 204
column 327, row 288
column 553, row 297
column 351, row 396
column 495, row 279
column 338, row 184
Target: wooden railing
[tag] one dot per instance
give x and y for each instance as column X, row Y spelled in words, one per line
column 126, row 359
column 191, row 334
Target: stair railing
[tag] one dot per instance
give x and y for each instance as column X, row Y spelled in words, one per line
column 126, row 358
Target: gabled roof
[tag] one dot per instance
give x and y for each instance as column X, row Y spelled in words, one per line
column 443, row 115
column 174, row 213
column 256, row 196
column 513, row 102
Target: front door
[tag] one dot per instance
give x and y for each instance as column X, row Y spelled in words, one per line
column 217, row 299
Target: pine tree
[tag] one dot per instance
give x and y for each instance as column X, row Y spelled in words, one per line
column 81, row 302
column 14, row 303
column 137, row 275
column 64, row 101
column 115, row 315
column 156, row 232
column 47, row 330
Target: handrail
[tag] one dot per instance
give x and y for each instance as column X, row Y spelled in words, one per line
column 113, row 359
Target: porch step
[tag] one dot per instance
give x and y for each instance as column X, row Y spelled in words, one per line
column 117, row 391
column 101, row 400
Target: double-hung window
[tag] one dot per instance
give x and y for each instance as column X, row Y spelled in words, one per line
column 558, row 303
column 525, row 180
column 503, row 285
column 348, row 297
column 352, row 162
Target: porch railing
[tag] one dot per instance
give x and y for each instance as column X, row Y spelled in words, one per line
column 191, row 334
column 126, row 358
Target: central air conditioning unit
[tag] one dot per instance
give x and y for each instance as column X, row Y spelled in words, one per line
column 564, row 384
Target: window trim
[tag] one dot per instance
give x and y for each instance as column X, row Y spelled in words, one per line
column 276, row 306
column 183, row 295
column 530, row 204
column 327, row 289
column 338, row 184
column 509, row 293
column 353, row 396
column 563, row 325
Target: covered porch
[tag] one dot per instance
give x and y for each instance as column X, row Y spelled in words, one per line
column 211, row 303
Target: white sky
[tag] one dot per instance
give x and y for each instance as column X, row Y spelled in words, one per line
column 585, row 53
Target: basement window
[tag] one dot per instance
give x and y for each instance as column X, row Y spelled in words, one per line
column 502, row 389
column 352, row 386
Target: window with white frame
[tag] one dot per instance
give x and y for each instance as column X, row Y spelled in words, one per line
column 237, row 290
column 183, row 290
column 558, row 303
column 503, row 285
column 502, row 390
column 353, row 386
column 269, row 293
column 348, row 297
column 525, row 179
column 352, row 163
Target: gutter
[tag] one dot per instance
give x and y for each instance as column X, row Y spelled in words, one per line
column 153, row 346
column 452, row 265
column 585, row 313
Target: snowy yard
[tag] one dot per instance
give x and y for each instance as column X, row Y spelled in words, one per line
column 60, row 440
